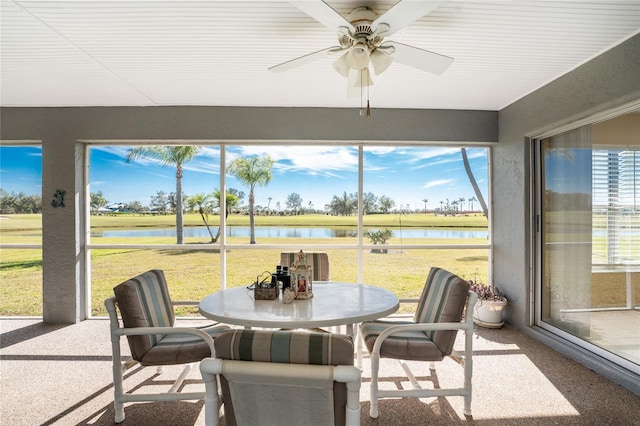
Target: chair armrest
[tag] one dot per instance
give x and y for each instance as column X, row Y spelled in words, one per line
column 466, row 325
column 141, row 331
column 409, row 300
column 436, row 326
column 185, row 303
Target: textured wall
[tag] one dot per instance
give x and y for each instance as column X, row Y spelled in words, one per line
column 609, row 81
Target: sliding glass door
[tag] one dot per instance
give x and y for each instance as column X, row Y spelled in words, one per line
column 589, row 233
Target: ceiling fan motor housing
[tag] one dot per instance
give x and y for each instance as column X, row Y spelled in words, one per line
column 361, row 18
column 361, row 34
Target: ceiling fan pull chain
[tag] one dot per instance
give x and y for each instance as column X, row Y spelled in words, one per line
column 368, row 109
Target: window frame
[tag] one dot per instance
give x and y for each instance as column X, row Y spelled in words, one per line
column 537, row 250
column 222, row 246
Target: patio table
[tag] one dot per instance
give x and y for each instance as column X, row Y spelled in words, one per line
column 333, row 304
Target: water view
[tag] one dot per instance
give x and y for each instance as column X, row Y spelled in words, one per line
column 288, row 232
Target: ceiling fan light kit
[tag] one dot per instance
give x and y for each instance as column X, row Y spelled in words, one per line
column 362, row 48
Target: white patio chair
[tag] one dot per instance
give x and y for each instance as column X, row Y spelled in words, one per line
column 148, row 322
column 282, row 378
column 319, row 261
column 429, row 337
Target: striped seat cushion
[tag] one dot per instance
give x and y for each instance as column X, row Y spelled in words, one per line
column 293, row 347
column 181, row 348
column 144, row 301
column 408, row 345
column 443, row 299
column 319, row 261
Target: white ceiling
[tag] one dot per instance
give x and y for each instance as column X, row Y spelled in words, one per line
column 183, row 52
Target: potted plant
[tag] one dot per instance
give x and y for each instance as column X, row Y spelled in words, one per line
column 491, row 302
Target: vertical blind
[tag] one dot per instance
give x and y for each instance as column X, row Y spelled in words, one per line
column 616, row 205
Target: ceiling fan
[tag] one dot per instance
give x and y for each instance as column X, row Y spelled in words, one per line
column 362, row 48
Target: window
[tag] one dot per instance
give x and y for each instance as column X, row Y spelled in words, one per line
column 21, row 230
column 383, row 214
column 590, row 234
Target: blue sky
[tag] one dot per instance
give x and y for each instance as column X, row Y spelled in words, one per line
column 406, row 174
column 21, row 169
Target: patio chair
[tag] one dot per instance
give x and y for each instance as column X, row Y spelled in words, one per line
column 282, row 378
column 429, row 337
column 148, row 322
column 319, row 261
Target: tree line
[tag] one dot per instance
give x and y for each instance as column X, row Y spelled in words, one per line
column 251, row 171
column 20, row 203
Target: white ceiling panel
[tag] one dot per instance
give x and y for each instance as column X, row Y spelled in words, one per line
column 155, row 52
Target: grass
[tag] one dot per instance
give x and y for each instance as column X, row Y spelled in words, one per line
column 378, row 220
column 192, row 274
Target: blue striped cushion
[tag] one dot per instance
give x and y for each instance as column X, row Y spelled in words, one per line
column 319, row 261
column 181, row 348
column 443, row 299
column 434, row 297
column 144, row 301
column 407, row 345
column 293, row 347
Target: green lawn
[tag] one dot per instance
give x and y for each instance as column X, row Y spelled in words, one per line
column 194, row 273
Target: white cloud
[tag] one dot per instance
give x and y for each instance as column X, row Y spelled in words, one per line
column 439, row 182
column 318, row 160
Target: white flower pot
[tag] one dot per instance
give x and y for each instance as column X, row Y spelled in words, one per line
column 488, row 313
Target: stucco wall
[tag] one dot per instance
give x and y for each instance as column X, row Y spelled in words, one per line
column 609, row 81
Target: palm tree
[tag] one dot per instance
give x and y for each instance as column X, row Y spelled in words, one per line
column 472, row 179
column 471, row 200
column 462, row 200
column 252, row 171
column 269, row 204
column 425, row 204
column 201, row 200
column 231, row 201
column 169, row 156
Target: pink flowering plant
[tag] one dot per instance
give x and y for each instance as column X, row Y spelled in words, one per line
column 485, row 292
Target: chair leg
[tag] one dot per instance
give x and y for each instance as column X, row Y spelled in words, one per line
column 118, row 406
column 119, row 409
column 468, row 370
column 375, row 365
column 118, row 369
column 212, row 400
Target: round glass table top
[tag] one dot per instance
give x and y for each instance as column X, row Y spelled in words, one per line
column 333, row 303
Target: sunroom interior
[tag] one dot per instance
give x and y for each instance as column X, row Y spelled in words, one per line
column 575, row 131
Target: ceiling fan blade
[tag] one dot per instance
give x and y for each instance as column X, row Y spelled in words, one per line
column 404, row 13
column 323, row 13
column 419, row 58
column 302, row 60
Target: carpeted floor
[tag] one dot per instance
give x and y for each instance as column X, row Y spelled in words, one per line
column 61, row 374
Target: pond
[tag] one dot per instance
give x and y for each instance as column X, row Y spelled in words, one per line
column 287, row 232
